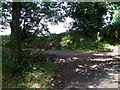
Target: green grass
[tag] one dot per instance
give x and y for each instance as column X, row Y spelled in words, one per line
column 32, row 75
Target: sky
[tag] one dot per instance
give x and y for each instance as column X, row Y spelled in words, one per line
column 52, row 28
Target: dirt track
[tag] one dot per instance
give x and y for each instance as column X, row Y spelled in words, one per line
column 86, row 70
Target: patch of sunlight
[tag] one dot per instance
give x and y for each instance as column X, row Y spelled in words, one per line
column 110, row 47
column 116, row 48
column 98, row 54
column 75, row 58
column 80, row 66
column 77, row 69
column 80, row 70
column 93, row 66
column 34, row 85
column 91, row 86
column 61, row 60
column 102, row 59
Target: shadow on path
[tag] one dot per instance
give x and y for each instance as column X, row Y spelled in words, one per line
column 86, row 70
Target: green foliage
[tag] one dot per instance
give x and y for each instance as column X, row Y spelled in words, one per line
column 40, row 74
column 8, row 65
column 88, row 45
column 75, row 40
column 88, row 17
column 41, row 43
column 30, row 74
column 80, row 42
column 66, row 42
column 5, row 39
column 41, row 68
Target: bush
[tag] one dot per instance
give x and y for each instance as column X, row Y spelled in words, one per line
column 83, row 44
column 66, row 42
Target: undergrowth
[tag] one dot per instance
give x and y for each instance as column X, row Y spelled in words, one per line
column 28, row 75
column 83, row 45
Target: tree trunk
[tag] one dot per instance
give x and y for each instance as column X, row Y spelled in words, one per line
column 15, row 45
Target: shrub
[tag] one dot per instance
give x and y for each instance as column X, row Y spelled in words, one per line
column 66, row 42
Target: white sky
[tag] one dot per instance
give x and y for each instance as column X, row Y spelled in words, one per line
column 52, row 28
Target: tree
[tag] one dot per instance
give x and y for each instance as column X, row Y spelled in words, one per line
column 88, row 17
column 35, row 16
column 29, row 19
column 112, row 29
column 15, row 44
